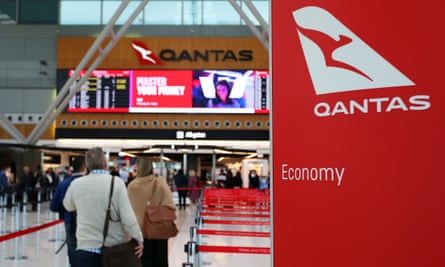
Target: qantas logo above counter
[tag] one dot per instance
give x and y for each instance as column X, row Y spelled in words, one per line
column 145, row 54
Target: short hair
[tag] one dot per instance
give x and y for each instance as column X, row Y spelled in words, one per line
column 192, row 172
column 95, row 159
column 144, row 166
column 78, row 164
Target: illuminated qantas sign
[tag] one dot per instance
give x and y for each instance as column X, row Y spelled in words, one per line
column 146, row 55
column 206, row 55
column 339, row 61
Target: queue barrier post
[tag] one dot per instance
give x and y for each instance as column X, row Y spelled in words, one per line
column 1, row 210
column 24, row 209
column 193, row 233
column 191, row 249
column 199, row 221
column 4, row 204
column 17, row 228
column 12, row 203
column 39, row 202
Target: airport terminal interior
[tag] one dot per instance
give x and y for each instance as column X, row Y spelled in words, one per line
column 184, row 82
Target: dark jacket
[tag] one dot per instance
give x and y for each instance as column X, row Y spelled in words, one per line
column 56, row 204
column 181, row 181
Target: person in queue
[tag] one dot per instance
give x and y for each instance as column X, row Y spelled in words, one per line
column 181, row 183
column 25, row 184
column 254, row 179
column 88, row 196
column 5, row 184
column 140, row 191
column 56, row 205
column 193, row 187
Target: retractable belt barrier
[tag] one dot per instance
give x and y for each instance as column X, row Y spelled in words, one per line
column 28, row 230
column 232, row 233
column 17, row 202
column 243, row 204
column 228, row 214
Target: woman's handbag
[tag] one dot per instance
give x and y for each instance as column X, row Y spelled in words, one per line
column 159, row 221
column 121, row 254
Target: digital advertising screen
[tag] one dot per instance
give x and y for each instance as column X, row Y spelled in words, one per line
column 171, row 91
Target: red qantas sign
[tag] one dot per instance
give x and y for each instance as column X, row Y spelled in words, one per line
column 356, row 162
column 145, row 54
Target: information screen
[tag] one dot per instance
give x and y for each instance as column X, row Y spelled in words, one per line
column 104, row 91
column 171, row 91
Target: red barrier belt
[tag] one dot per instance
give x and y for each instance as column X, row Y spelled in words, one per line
column 28, row 230
column 259, row 204
column 253, row 209
column 229, row 214
column 247, row 250
column 238, row 222
column 186, row 188
column 237, row 199
column 233, row 233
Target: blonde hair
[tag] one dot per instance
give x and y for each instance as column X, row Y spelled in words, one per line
column 144, row 166
column 192, row 172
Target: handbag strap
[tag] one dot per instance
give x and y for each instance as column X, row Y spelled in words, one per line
column 154, row 188
column 108, row 214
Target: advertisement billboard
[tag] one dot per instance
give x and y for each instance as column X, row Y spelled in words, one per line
column 358, row 163
column 171, row 91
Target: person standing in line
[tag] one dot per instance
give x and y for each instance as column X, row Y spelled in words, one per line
column 5, row 185
column 254, row 179
column 141, row 191
column 88, row 197
column 193, row 187
column 25, row 185
column 221, row 178
column 56, row 205
column 237, row 180
column 52, row 178
column 181, row 183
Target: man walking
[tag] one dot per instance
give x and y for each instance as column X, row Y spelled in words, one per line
column 69, row 219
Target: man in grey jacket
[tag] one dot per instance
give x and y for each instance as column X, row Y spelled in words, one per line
column 88, row 196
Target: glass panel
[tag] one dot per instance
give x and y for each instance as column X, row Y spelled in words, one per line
column 163, row 13
column 192, row 12
column 80, row 12
column 220, row 13
column 8, row 11
column 110, row 7
column 262, row 7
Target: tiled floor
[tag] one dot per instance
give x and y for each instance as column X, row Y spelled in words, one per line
column 38, row 248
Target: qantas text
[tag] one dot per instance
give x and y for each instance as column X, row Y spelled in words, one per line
column 368, row 105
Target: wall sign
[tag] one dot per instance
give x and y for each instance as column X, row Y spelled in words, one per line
column 358, row 163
